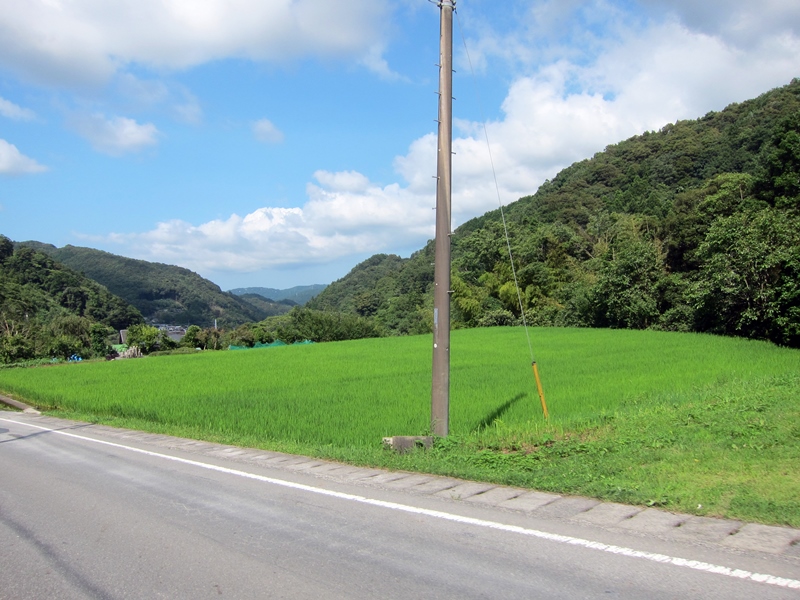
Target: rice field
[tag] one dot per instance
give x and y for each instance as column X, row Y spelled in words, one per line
column 693, row 423
column 351, row 394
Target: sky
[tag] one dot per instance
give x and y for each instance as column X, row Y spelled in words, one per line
column 275, row 143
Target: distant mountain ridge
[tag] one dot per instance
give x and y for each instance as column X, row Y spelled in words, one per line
column 299, row 294
column 162, row 293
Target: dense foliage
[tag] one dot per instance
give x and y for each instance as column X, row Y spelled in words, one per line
column 695, row 227
column 163, row 293
column 298, row 325
column 48, row 310
column 305, row 324
column 391, row 290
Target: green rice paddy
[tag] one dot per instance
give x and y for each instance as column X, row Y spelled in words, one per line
column 691, row 422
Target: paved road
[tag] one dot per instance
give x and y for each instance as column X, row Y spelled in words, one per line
column 87, row 512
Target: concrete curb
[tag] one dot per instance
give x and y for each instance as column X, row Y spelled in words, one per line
column 19, row 405
column 721, row 533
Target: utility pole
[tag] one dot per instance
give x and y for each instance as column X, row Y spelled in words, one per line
column 440, row 388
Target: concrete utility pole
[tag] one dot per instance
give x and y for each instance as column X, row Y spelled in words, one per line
column 440, row 388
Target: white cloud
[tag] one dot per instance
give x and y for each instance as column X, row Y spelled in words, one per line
column 563, row 113
column 265, row 131
column 345, row 214
column 13, row 162
column 11, row 111
column 384, row 215
column 344, row 181
column 115, row 136
column 59, row 42
column 374, row 61
column 556, row 112
column 738, row 22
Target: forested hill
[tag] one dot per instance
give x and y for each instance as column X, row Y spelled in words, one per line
column 163, row 293
column 47, row 309
column 695, row 227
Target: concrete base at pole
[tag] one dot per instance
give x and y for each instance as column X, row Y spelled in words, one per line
column 406, row 443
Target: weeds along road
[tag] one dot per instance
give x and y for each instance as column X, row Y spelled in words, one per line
column 86, row 515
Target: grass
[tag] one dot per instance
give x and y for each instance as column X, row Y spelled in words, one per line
column 693, row 423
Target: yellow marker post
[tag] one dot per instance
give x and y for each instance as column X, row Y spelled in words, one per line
column 541, row 393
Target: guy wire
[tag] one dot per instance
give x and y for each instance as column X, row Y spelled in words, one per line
column 497, row 189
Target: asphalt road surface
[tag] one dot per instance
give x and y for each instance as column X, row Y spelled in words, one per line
column 83, row 515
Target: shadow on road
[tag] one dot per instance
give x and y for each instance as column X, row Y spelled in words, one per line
column 14, row 437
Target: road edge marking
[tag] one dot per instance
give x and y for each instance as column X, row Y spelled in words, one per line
column 553, row 537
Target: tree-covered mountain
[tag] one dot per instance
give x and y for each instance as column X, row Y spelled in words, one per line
column 695, row 227
column 48, row 310
column 390, row 289
column 162, row 293
column 268, row 306
column 299, row 294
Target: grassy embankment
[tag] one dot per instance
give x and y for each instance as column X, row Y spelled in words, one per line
column 692, row 423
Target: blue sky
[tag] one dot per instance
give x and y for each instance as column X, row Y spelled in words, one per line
column 279, row 142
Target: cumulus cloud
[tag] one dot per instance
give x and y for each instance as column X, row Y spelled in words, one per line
column 345, row 214
column 343, row 181
column 564, row 112
column 116, row 135
column 265, row 131
column 737, row 22
column 11, row 111
column 556, row 111
column 83, row 41
column 13, row 162
column 374, row 61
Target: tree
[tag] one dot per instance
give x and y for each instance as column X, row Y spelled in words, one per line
column 626, row 293
column 210, row 339
column 779, row 177
column 191, row 337
column 99, row 335
column 242, row 336
column 321, row 326
column 15, row 347
column 630, row 269
column 6, row 248
column 144, row 337
column 749, row 284
column 367, row 303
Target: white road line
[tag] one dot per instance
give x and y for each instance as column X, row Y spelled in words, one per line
column 553, row 537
